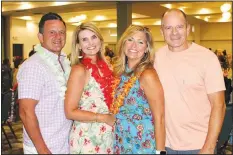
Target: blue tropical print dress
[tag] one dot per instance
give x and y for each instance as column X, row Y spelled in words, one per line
column 134, row 130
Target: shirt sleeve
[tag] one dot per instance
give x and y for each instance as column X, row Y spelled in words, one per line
column 30, row 81
column 214, row 80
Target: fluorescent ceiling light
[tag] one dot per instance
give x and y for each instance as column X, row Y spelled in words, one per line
column 113, row 35
column 204, row 11
column 226, row 15
column 77, row 24
column 158, row 22
column 137, row 23
column 112, row 25
column 225, row 7
column 136, row 15
column 169, row 6
column 25, row 5
column 223, row 20
column 61, row 3
column 78, row 18
column 99, row 18
column 26, row 17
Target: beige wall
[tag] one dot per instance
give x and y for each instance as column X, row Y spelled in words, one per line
column 216, row 31
column 217, row 36
column 214, row 35
column 24, row 32
column 106, row 34
column 18, row 35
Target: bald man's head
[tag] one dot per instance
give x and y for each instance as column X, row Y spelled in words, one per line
column 175, row 29
column 175, row 11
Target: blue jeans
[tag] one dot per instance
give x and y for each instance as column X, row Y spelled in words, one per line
column 170, row 151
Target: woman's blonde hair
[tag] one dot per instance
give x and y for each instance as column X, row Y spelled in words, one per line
column 76, row 53
column 120, row 60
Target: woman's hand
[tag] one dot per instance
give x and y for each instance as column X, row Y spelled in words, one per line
column 107, row 118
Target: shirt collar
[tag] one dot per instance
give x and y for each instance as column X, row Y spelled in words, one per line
column 54, row 56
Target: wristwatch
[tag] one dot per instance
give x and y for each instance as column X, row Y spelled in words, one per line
column 160, row 152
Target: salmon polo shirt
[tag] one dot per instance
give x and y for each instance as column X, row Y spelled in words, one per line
column 187, row 78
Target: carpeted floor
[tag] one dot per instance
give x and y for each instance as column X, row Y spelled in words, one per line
column 17, row 147
column 17, row 144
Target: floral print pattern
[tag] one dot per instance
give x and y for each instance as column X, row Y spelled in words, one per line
column 92, row 138
column 134, row 130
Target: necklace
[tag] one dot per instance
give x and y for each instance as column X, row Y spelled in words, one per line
column 55, row 68
column 105, row 80
column 118, row 101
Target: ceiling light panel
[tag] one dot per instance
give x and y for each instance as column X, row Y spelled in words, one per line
column 135, row 15
column 77, row 24
column 99, row 18
column 206, row 19
column 204, row 11
column 113, row 35
column 25, row 5
column 169, row 6
column 78, row 18
column 112, row 25
column 225, row 7
column 226, row 15
column 26, row 17
column 158, row 22
column 137, row 23
column 61, row 3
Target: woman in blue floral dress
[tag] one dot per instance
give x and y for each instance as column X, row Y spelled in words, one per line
column 138, row 101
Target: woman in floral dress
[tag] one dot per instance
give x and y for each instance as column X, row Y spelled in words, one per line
column 87, row 98
column 139, row 101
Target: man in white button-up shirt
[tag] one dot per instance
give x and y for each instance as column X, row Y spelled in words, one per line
column 41, row 104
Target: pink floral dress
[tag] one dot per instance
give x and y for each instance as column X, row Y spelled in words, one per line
column 92, row 138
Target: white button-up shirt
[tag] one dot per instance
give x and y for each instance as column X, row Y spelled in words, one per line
column 36, row 81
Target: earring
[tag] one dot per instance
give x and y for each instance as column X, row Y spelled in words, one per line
column 146, row 54
column 80, row 53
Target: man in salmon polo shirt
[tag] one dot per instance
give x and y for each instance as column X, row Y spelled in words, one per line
column 193, row 85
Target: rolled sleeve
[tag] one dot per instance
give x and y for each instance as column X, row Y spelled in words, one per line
column 30, row 81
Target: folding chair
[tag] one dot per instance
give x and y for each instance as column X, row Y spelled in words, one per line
column 6, row 107
column 225, row 132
